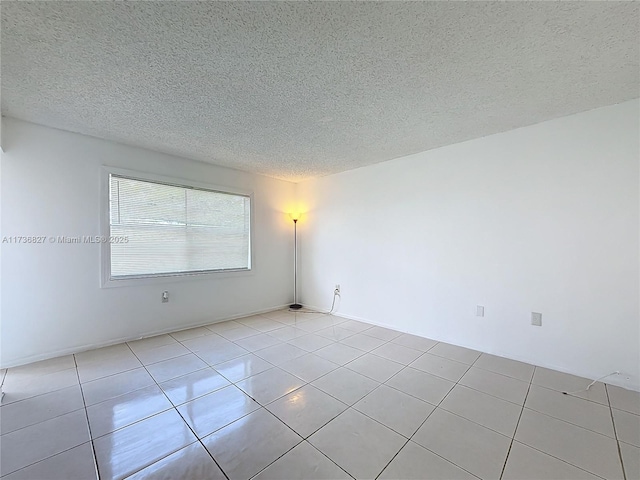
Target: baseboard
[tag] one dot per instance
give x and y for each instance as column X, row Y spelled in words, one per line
column 153, row 333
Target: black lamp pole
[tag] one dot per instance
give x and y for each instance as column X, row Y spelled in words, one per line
column 295, row 305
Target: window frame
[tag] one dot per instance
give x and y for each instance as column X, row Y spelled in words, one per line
column 106, row 280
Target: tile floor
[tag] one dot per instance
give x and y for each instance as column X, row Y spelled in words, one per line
column 308, row 396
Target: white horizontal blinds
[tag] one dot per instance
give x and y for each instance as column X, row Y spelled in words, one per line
column 173, row 229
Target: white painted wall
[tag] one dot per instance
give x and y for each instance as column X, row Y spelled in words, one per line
column 52, row 302
column 543, row 218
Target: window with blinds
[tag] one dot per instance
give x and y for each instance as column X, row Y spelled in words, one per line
column 160, row 229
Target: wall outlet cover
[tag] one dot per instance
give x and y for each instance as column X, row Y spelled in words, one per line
column 536, row 319
column 479, row 311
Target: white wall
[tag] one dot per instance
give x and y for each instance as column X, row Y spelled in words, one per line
column 543, row 218
column 52, row 302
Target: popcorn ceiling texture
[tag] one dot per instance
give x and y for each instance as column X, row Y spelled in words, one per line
column 302, row 89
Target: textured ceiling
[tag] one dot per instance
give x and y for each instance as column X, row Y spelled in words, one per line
column 300, row 89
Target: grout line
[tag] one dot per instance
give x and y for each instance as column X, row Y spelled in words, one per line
column 506, row 459
column 615, row 434
column 86, row 413
column 559, row 459
column 179, row 414
column 429, row 416
column 58, row 416
column 297, row 444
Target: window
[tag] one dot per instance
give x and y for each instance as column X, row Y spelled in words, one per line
column 161, row 229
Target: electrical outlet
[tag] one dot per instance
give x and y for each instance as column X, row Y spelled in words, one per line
column 337, row 290
column 479, row 311
column 536, row 319
column 165, row 296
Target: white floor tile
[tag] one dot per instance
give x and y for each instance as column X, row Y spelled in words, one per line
column 470, row 446
column 113, row 386
column 151, row 342
column 496, row 384
column 309, row 367
column 175, row 367
column 105, row 354
column 310, row 342
column 190, row 463
column 303, row 462
column 400, row 412
column 287, row 333
column 453, row 352
column 279, row 314
column 335, row 333
column 440, row 366
column 281, row 353
column 242, row 459
column 623, row 399
column 137, row 446
column 359, row 445
column 504, row 366
column 483, row 409
column 339, row 353
column 383, row 333
column 627, row 427
column 261, row 324
column 374, row 367
column 421, row 385
column 269, row 385
column 239, row 333
column 250, row 319
column 258, row 342
column 221, row 353
column 39, row 409
column 526, row 463
column 242, row 367
column 211, row 412
column 345, row 385
column 312, row 325
column 414, row 341
column 206, row 343
column 355, row 326
column 224, row 326
column 126, row 409
column 578, row 411
column 42, row 440
column 191, row 333
column 104, row 368
column 630, row 460
column 363, row 342
column 74, row 464
column 397, row 353
column 306, row 409
column 194, row 385
column 570, row 383
column 29, row 386
column 583, row 448
column 164, row 352
column 417, row 463
column 43, row 367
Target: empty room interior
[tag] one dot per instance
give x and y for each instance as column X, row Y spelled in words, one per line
column 320, row 240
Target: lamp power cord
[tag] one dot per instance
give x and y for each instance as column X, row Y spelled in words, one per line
column 592, row 383
column 336, row 293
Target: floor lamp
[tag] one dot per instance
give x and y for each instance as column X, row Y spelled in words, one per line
column 295, row 305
